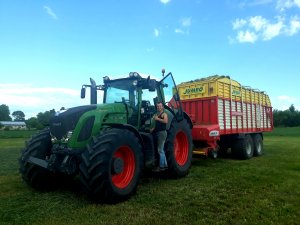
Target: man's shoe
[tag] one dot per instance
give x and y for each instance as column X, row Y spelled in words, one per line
column 163, row 168
column 156, row 169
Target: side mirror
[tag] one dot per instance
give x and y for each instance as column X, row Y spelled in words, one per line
column 82, row 92
column 152, row 84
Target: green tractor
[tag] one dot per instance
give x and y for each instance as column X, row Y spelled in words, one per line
column 109, row 145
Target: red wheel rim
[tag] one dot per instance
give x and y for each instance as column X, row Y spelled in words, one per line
column 123, row 179
column 181, row 148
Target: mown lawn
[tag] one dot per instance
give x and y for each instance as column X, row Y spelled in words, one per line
column 263, row 190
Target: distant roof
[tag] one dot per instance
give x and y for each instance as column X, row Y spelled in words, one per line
column 13, row 123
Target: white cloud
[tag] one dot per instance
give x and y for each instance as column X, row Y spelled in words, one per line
column 239, row 23
column 156, row 32
column 272, row 30
column 294, row 26
column 186, row 22
column 259, row 2
column 32, row 100
column 50, row 12
column 179, row 31
column 283, row 102
column 165, row 1
column 246, row 36
column 258, row 28
column 253, row 3
column 283, row 5
column 258, row 22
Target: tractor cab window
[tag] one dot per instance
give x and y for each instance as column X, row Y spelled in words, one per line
column 122, row 90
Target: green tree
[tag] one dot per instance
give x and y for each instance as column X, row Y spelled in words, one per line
column 18, row 115
column 44, row 118
column 292, row 108
column 32, row 123
column 4, row 113
column 286, row 118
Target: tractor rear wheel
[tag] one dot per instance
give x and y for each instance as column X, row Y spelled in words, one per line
column 111, row 166
column 39, row 178
column 178, row 148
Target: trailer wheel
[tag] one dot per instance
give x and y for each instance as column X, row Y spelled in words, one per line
column 111, row 166
column 243, row 148
column 39, row 178
column 258, row 145
column 178, row 148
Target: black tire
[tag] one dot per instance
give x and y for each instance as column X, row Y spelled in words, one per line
column 111, row 166
column 222, row 152
column 257, row 144
column 38, row 146
column 243, row 148
column 178, row 148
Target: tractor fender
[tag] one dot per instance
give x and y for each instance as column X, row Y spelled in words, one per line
column 127, row 127
column 188, row 119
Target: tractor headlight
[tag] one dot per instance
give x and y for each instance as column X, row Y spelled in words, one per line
column 134, row 74
column 64, row 139
column 69, row 135
column 134, row 83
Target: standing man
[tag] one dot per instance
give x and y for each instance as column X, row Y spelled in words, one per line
column 160, row 135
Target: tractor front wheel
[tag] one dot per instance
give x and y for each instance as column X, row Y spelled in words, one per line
column 39, row 178
column 111, row 166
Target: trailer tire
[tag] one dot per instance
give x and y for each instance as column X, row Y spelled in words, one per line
column 178, row 148
column 258, row 145
column 243, row 148
column 111, row 166
column 39, row 178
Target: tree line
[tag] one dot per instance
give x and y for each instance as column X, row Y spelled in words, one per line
column 285, row 118
column 39, row 122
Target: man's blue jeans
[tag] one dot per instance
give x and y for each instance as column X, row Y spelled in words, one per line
column 161, row 138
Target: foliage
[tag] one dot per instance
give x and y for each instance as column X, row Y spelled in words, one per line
column 44, row 118
column 4, row 113
column 287, row 118
column 32, row 123
column 262, row 190
column 18, row 115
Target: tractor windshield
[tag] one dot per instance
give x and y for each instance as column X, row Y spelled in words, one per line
column 121, row 90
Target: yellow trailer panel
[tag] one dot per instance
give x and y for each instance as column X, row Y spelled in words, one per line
column 223, row 87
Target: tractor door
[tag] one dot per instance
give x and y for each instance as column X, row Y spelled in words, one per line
column 170, row 96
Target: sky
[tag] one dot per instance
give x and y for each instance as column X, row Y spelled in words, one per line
column 49, row 48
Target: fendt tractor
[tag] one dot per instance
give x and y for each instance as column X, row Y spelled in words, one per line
column 108, row 145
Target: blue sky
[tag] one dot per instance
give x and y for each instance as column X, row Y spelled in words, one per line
column 48, row 49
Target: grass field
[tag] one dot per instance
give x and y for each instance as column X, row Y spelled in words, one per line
column 263, row 190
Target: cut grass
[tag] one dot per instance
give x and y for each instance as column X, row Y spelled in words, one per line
column 263, row 190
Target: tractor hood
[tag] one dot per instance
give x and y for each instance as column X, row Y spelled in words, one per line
column 77, row 125
column 66, row 121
